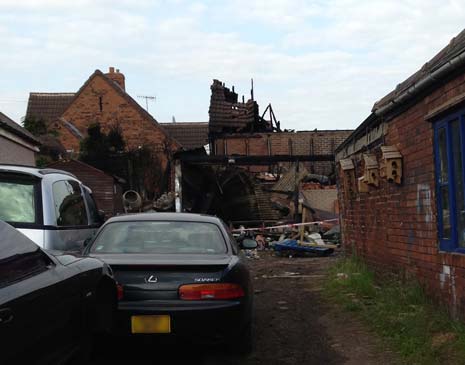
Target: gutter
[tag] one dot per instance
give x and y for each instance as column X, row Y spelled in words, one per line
column 424, row 83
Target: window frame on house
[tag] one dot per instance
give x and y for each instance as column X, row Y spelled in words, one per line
column 451, row 243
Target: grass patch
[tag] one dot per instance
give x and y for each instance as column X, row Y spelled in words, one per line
column 419, row 331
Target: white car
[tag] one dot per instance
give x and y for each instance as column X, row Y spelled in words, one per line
column 51, row 207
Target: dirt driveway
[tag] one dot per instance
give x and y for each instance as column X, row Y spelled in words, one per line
column 293, row 325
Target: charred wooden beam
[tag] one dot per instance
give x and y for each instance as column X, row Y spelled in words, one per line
column 251, row 160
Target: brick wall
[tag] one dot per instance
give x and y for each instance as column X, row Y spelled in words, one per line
column 395, row 226
column 284, row 143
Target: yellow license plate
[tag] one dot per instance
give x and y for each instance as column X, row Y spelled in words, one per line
column 151, row 324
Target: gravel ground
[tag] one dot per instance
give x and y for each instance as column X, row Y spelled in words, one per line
column 293, row 325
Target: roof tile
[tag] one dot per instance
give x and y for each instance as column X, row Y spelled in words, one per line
column 189, row 134
column 47, row 106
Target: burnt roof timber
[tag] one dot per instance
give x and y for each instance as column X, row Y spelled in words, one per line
column 250, row 160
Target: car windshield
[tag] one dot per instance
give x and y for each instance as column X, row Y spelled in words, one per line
column 160, row 238
column 17, row 201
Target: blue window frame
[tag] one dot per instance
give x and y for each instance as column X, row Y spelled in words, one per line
column 449, row 145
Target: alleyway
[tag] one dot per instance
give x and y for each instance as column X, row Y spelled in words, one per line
column 293, row 325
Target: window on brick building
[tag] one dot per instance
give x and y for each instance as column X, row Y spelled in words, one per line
column 449, row 138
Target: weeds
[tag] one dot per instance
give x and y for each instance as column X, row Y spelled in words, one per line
column 419, row 331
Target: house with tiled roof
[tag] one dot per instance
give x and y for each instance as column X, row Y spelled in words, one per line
column 103, row 100
column 17, row 145
column 50, row 107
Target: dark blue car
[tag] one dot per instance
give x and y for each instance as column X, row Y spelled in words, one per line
column 178, row 274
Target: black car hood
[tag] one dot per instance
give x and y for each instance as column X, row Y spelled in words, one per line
column 164, row 260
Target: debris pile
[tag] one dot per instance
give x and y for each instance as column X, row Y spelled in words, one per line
column 293, row 240
column 164, row 203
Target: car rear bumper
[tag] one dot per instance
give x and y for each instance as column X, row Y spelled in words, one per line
column 202, row 320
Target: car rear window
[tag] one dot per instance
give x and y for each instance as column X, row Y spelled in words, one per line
column 17, row 201
column 160, row 238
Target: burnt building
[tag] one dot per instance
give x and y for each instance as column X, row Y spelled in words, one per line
column 248, row 153
column 236, row 128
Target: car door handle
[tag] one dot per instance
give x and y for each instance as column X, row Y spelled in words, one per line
column 6, row 316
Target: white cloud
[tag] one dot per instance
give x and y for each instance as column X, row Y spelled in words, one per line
column 289, row 13
column 321, row 63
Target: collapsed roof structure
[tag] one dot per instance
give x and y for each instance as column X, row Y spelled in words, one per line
column 243, row 146
column 228, row 115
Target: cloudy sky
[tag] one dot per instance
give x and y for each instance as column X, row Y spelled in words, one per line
column 322, row 64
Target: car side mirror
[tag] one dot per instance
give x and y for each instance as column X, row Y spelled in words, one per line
column 249, row 244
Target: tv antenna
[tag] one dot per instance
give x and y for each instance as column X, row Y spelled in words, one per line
column 147, row 98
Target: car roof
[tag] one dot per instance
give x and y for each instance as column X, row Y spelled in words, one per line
column 34, row 171
column 159, row 216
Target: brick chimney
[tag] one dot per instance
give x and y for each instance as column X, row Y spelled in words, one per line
column 117, row 77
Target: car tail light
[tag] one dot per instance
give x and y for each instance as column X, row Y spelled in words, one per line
column 210, row 291
column 119, row 291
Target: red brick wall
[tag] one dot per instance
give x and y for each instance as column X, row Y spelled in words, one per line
column 395, row 226
column 303, row 143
